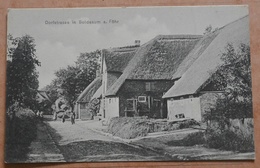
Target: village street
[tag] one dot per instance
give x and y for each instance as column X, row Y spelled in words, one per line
column 63, row 142
column 85, row 142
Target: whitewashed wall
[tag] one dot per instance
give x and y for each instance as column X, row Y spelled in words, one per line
column 112, row 107
column 189, row 107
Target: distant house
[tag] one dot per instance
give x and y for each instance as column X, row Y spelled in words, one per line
column 192, row 95
column 44, row 102
column 82, row 108
column 42, row 96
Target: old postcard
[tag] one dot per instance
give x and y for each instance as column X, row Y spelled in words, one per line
column 129, row 84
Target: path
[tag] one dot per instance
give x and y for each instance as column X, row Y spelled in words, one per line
column 78, row 143
column 43, row 148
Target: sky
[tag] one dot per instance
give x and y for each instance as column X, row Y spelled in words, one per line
column 59, row 45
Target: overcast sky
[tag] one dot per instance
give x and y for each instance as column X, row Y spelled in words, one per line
column 59, row 45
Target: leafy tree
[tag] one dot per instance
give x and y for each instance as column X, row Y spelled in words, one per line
column 87, row 64
column 51, row 90
column 22, row 77
column 234, row 78
column 74, row 79
column 68, row 83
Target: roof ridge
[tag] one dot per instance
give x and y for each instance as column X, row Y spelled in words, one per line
column 87, row 88
column 200, row 71
column 177, row 36
column 129, row 68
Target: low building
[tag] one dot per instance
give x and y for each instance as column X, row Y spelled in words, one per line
column 193, row 93
column 82, row 104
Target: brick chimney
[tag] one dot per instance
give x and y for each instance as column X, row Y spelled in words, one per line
column 137, row 43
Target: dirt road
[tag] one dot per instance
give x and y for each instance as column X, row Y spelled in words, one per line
column 78, row 143
column 63, row 142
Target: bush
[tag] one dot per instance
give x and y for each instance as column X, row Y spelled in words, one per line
column 20, row 132
column 230, row 140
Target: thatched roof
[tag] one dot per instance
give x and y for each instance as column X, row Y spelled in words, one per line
column 97, row 94
column 194, row 54
column 90, row 90
column 117, row 59
column 157, row 59
column 134, row 62
column 209, row 60
column 164, row 57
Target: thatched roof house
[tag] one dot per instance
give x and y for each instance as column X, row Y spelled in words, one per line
column 188, row 96
column 138, row 80
column 148, row 75
column 157, row 59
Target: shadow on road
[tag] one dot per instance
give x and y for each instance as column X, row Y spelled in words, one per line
column 54, row 134
column 97, row 150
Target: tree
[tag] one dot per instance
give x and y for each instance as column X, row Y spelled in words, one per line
column 74, row 79
column 51, row 90
column 68, row 83
column 234, row 78
column 22, row 77
column 87, row 64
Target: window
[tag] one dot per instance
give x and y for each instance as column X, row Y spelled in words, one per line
column 141, row 98
column 130, row 104
column 149, row 86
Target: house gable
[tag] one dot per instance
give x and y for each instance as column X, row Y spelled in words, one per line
column 208, row 62
column 157, row 59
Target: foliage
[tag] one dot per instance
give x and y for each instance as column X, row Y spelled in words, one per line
column 45, row 106
column 88, row 64
column 67, row 82
column 20, row 132
column 234, row 79
column 52, row 90
column 22, row 77
column 230, row 140
column 73, row 79
column 94, row 106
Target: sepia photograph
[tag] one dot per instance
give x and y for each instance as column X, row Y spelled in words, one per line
column 129, row 84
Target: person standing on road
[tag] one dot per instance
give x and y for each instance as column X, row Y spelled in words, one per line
column 72, row 118
column 63, row 117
